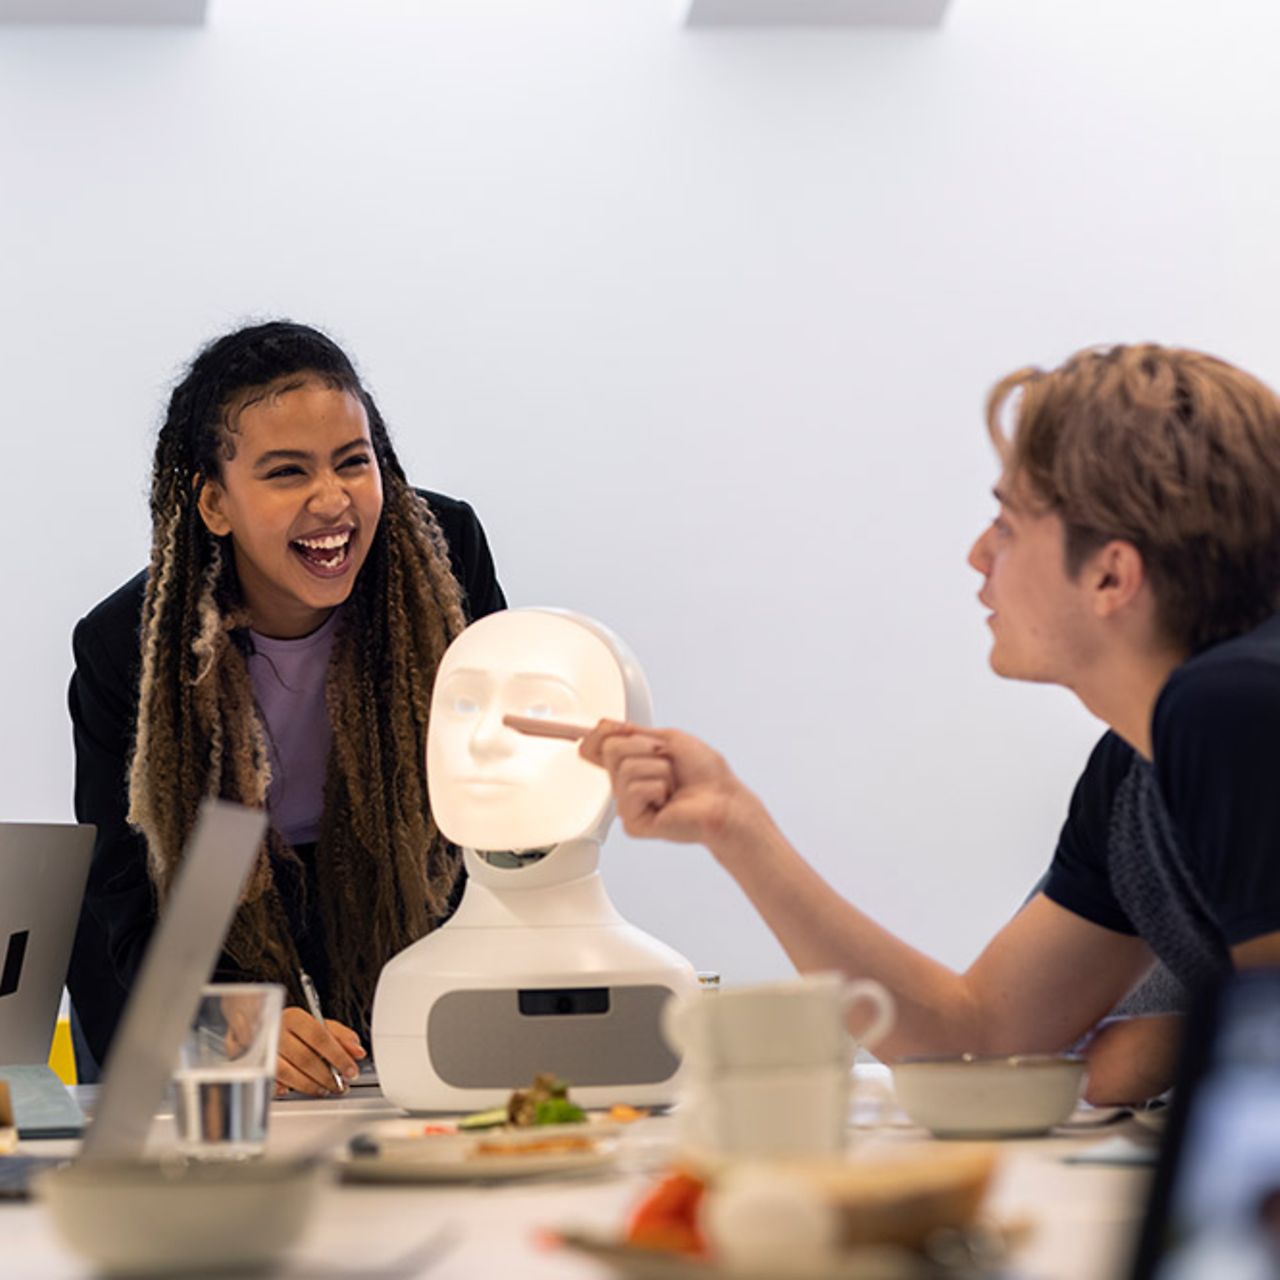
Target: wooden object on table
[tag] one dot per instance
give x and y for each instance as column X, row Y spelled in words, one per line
column 8, row 1130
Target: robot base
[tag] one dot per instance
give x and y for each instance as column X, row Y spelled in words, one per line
column 449, row 1036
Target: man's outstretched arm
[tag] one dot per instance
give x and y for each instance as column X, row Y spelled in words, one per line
column 1045, row 979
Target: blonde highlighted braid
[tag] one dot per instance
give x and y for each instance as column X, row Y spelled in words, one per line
column 383, row 871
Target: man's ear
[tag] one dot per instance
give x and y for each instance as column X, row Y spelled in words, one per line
column 210, row 502
column 1116, row 576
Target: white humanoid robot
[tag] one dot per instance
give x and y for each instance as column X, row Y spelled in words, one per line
column 536, row 971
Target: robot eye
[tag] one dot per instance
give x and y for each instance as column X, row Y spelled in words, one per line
column 463, row 706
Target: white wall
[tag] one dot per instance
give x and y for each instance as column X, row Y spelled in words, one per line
column 700, row 321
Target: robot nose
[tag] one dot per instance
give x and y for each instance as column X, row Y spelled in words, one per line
column 492, row 740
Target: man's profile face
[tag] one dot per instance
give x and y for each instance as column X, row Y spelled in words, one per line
column 1041, row 620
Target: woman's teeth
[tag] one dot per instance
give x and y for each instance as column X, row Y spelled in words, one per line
column 327, row 543
column 315, row 549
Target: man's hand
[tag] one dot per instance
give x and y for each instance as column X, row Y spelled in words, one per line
column 1132, row 1059
column 666, row 784
column 309, row 1048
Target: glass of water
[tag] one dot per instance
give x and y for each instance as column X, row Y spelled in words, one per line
column 226, row 1071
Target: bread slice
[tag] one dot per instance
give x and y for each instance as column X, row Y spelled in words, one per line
column 895, row 1198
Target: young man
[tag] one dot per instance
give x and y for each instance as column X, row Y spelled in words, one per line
column 1134, row 559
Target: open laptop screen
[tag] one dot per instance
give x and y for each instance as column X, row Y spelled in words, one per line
column 43, row 867
column 179, row 959
column 1214, row 1212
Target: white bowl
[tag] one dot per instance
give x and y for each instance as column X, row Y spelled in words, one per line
column 976, row 1097
column 152, row 1217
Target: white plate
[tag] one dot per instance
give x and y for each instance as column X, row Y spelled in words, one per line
column 868, row 1263
column 413, row 1129
column 405, row 1153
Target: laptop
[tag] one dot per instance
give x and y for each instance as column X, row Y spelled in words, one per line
column 1214, row 1208
column 178, row 961
column 43, row 869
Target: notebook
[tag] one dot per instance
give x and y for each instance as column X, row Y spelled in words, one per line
column 179, row 959
column 42, row 1107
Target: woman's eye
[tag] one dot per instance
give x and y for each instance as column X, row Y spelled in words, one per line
column 283, row 472
column 360, row 460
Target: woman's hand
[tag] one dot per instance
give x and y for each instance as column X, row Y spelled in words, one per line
column 308, row 1049
column 666, row 784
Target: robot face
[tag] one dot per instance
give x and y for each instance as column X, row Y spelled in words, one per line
column 491, row 787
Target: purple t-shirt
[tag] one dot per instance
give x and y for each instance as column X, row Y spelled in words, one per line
column 288, row 678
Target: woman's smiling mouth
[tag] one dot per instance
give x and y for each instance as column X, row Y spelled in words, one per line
column 326, row 554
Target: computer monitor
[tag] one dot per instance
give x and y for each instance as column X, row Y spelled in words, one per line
column 179, row 958
column 1214, row 1210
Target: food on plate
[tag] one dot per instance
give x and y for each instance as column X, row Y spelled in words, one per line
column 620, row 1113
column 560, row 1144
column 546, row 1101
column 526, row 1126
column 904, row 1197
column 667, row 1218
column 770, row 1210
column 539, row 1130
column 494, row 1118
column 760, row 1219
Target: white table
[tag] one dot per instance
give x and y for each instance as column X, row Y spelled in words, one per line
column 1084, row 1215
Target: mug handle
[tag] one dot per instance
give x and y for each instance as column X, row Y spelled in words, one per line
column 882, row 1022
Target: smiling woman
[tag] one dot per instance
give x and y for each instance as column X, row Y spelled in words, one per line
column 280, row 650
column 300, row 497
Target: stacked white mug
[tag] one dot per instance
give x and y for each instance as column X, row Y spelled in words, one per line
column 768, row 1067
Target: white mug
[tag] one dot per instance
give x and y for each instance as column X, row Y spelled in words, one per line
column 773, row 1112
column 798, row 1023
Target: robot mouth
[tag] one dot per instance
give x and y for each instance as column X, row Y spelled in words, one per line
column 512, row 859
column 479, row 783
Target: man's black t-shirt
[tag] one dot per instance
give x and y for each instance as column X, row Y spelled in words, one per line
column 1184, row 850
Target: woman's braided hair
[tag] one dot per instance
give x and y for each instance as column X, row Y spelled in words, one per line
column 383, row 871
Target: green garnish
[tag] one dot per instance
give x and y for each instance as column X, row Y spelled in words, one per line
column 558, row 1110
column 484, row 1119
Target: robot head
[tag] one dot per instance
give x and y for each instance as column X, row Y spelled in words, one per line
column 494, row 789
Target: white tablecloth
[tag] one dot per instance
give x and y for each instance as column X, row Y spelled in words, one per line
column 1083, row 1216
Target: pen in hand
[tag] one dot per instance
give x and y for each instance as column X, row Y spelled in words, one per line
column 313, row 1008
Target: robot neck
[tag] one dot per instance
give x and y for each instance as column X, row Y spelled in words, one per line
column 564, row 889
